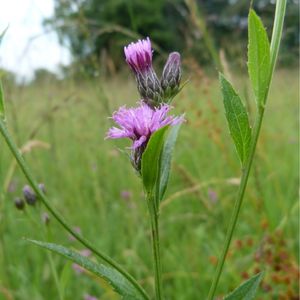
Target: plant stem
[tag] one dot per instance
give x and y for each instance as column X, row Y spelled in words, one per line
column 237, row 206
column 276, row 36
column 155, row 247
column 28, row 174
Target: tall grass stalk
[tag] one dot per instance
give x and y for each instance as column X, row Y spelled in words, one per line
column 275, row 42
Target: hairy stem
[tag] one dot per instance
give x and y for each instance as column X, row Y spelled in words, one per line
column 28, row 174
column 276, row 36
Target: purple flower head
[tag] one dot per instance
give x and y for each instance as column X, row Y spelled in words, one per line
column 138, row 124
column 139, row 55
column 139, row 58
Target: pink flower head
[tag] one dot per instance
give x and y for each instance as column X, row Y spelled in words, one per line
column 138, row 124
column 139, row 55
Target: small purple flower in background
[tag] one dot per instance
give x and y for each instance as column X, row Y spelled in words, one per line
column 77, row 230
column 126, row 195
column 139, row 124
column 212, row 195
column 29, row 195
column 45, row 218
column 139, row 57
column 89, row 297
column 12, row 186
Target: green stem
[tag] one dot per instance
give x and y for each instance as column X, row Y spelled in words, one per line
column 237, row 207
column 276, row 36
column 155, row 247
column 28, row 174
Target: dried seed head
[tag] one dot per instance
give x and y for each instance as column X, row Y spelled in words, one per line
column 29, row 195
column 19, row 203
column 171, row 76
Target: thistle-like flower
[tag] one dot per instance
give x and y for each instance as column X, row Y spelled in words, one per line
column 139, row 57
column 138, row 124
column 171, row 76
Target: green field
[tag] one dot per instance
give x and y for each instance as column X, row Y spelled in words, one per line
column 94, row 186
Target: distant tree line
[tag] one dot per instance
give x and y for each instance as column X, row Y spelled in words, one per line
column 95, row 31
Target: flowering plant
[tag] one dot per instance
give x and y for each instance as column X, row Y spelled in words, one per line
column 153, row 134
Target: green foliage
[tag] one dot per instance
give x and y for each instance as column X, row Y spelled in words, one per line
column 2, row 104
column 156, row 161
column 258, row 57
column 247, row 290
column 165, row 159
column 85, row 176
column 237, row 119
column 2, row 107
column 119, row 283
column 151, row 160
column 96, row 31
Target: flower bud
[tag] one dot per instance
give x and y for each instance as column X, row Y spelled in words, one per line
column 19, row 203
column 171, row 76
column 29, row 195
column 149, row 87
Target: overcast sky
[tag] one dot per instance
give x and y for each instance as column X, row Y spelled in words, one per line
column 19, row 52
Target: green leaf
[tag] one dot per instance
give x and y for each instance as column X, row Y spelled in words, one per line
column 165, row 160
column 247, row 290
column 258, row 57
column 2, row 105
column 237, row 119
column 119, row 283
column 151, row 159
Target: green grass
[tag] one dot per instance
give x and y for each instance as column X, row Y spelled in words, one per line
column 85, row 175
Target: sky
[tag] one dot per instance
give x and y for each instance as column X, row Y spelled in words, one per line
column 26, row 46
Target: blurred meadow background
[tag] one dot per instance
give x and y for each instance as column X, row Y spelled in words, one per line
column 63, row 74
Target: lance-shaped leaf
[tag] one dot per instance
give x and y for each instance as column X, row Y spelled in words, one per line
column 112, row 276
column 247, row 290
column 258, row 57
column 237, row 119
column 165, row 160
column 151, row 159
